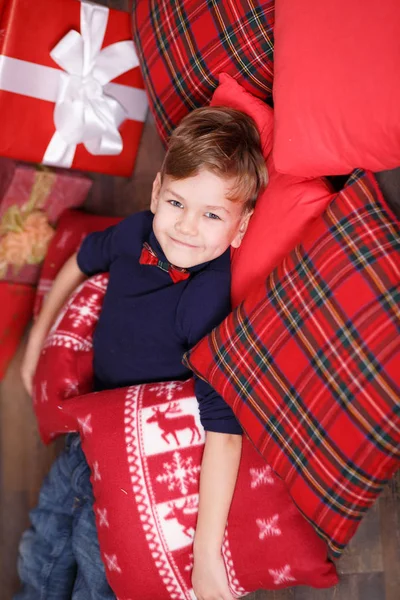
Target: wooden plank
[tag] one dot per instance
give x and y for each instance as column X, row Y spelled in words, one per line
column 364, row 553
column 390, row 533
column 358, row 586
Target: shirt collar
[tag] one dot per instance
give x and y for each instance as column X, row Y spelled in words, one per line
column 153, row 241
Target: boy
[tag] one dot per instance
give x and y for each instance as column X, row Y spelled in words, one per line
column 169, row 286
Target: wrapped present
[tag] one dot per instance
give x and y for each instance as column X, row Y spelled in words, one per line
column 16, row 301
column 71, row 92
column 31, row 200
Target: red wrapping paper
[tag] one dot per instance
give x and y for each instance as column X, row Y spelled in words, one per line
column 30, row 30
column 32, row 199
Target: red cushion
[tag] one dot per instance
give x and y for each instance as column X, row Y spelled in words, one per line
column 284, row 210
column 145, row 478
column 72, row 227
column 183, row 46
column 336, row 90
column 65, row 366
column 310, row 362
column 16, row 301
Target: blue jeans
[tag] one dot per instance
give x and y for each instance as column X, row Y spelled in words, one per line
column 59, row 556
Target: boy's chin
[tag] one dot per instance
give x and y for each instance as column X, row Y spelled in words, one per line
column 182, row 262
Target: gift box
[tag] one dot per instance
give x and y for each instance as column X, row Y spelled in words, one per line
column 16, row 301
column 31, row 200
column 71, row 92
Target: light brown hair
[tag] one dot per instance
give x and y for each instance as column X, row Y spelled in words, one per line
column 224, row 141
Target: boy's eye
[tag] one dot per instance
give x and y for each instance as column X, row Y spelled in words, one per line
column 211, row 215
column 175, row 203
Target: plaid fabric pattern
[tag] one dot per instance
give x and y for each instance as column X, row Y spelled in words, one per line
column 183, row 45
column 310, row 362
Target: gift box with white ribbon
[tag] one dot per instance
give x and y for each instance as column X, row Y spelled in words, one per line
column 71, row 91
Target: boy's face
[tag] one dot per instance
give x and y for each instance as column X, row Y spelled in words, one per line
column 194, row 221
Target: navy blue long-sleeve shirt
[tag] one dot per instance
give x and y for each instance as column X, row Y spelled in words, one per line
column 147, row 321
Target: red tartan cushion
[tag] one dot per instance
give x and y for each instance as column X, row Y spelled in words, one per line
column 144, row 445
column 310, row 362
column 283, row 211
column 337, row 89
column 145, row 469
column 72, row 227
column 16, row 301
column 184, row 44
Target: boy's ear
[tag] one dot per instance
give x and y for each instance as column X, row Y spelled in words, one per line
column 244, row 223
column 155, row 193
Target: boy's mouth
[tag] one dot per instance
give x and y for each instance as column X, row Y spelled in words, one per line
column 185, row 244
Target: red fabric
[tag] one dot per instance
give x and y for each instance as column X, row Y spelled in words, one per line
column 144, row 446
column 65, row 366
column 16, row 301
column 183, row 46
column 25, row 190
column 309, row 362
column 72, row 227
column 336, row 89
column 283, row 211
column 31, row 30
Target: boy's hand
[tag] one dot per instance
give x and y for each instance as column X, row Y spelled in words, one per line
column 31, row 359
column 209, row 579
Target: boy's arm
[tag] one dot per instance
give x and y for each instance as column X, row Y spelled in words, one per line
column 69, row 277
column 219, row 470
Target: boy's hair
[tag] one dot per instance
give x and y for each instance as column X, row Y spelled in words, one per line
column 224, row 141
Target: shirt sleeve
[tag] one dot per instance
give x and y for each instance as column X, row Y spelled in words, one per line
column 97, row 251
column 204, row 305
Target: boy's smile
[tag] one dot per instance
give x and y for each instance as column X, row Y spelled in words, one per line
column 194, row 220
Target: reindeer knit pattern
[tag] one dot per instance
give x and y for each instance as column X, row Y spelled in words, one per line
column 166, row 490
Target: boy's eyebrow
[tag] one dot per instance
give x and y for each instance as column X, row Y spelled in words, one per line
column 175, row 194
column 218, row 208
column 169, row 191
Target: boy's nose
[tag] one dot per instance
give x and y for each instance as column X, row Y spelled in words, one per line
column 187, row 225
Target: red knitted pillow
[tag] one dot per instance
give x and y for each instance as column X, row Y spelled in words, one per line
column 65, row 366
column 144, row 445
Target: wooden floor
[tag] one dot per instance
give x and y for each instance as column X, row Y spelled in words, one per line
column 370, row 568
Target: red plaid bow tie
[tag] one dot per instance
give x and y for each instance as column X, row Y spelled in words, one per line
column 149, row 257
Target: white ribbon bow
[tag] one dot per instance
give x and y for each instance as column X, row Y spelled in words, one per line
column 83, row 112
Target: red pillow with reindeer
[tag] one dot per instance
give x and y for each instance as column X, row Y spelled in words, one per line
column 144, row 445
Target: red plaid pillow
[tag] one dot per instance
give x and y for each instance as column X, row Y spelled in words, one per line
column 183, row 45
column 310, row 362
